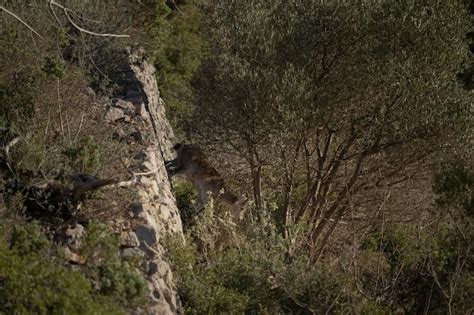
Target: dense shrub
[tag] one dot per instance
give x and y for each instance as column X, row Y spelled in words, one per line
column 118, row 279
column 252, row 273
column 34, row 279
column 398, row 267
column 178, row 47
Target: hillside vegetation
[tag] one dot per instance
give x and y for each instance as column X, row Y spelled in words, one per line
column 347, row 124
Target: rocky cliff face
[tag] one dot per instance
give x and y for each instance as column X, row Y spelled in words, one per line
column 138, row 114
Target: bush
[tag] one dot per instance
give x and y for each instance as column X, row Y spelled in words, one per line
column 185, row 201
column 455, row 187
column 428, row 268
column 178, row 49
column 115, row 278
column 54, row 66
column 252, row 274
column 34, row 279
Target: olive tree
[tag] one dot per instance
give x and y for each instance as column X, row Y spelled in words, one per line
column 325, row 101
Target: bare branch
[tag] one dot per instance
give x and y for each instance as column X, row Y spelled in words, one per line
column 54, row 14
column 125, row 183
column 83, row 30
column 10, row 144
column 341, row 202
column 84, row 183
column 22, row 22
column 80, row 127
column 145, row 173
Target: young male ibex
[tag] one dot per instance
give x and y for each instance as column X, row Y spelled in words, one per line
column 193, row 164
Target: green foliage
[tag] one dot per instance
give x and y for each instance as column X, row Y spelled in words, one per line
column 100, row 244
column 370, row 82
column 256, row 279
column 185, row 201
column 396, row 242
column 178, row 49
column 249, row 276
column 201, row 289
column 455, row 187
column 83, row 157
column 32, row 281
column 15, row 203
column 122, row 282
column 44, row 102
column 54, row 66
column 17, row 99
column 116, row 278
column 430, row 268
column 29, row 239
column 396, row 254
column 285, row 65
column 402, row 268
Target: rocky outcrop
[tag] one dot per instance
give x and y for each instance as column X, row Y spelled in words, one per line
column 139, row 117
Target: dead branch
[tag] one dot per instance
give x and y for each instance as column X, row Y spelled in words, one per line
column 83, row 30
column 145, row 173
column 85, row 183
column 54, row 14
column 22, row 22
column 9, row 145
column 125, row 183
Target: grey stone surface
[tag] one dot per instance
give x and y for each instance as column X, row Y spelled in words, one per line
column 132, row 253
column 155, row 209
column 136, row 208
column 89, row 92
column 140, row 109
column 146, row 234
column 74, row 235
column 137, row 135
column 113, row 114
column 127, row 107
column 129, row 239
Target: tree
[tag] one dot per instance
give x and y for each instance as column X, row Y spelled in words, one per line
column 325, row 103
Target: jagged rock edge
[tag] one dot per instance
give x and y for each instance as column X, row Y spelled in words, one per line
column 155, row 208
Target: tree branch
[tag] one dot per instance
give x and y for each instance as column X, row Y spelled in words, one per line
column 83, row 30
column 22, row 22
column 9, row 145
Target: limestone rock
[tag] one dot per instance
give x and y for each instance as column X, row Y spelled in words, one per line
column 90, row 92
column 113, row 114
column 140, row 109
column 129, row 253
column 146, row 234
column 73, row 235
column 136, row 209
column 129, row 239
column 127, row 107
column 137, row 136
column 141, row 115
